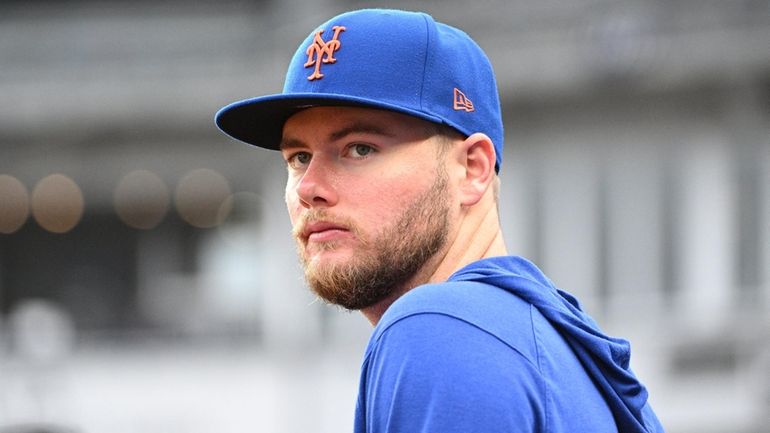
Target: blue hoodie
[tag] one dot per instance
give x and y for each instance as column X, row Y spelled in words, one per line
column 497, row 348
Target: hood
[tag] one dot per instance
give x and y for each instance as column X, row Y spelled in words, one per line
column 606, row 359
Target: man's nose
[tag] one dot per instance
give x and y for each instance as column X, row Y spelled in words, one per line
column 316, row 188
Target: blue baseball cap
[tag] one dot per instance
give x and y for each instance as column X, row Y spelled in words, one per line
column 388, row 59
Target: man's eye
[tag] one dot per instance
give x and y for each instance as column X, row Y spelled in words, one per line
column 361, row 150
column 299, row 159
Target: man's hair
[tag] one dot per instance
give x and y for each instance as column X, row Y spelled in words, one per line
column 445, row 132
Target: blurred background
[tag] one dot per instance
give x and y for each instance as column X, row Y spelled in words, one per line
column 148, row 281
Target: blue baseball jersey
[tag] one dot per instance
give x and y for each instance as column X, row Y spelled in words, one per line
column 497, row 348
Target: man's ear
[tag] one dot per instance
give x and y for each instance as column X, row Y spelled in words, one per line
column 478, row 158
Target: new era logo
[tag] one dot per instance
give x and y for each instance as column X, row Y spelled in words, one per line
column 461, row 102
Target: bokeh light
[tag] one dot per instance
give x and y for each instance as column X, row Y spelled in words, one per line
column 14, row 204
column 141, row 199
column 57, row 203
column 199, row 196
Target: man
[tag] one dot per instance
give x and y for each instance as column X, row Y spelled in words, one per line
column 390, row 126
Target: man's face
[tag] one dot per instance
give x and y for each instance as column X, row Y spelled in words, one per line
column 367, row 194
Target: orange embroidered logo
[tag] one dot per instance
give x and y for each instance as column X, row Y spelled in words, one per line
column 321, row 51
column 462, row 102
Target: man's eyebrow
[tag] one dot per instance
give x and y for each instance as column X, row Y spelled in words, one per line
column 360, row 127
column 290, row 143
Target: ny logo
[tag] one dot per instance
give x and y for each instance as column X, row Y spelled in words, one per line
column 321, row 51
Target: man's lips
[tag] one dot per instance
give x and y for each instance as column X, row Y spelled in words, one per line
column 323, row 231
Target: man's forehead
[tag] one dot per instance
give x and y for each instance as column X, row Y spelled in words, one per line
column 334, row 123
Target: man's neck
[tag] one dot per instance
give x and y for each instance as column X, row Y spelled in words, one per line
column 477, row 237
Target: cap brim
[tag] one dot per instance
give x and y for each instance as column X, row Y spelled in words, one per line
column 259, row 121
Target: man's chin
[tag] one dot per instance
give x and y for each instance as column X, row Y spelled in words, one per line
column 343, row 279
column 327, row 258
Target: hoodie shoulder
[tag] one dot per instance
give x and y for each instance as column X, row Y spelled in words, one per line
column 441, row 360
column 542, row 355
column 508, row 318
